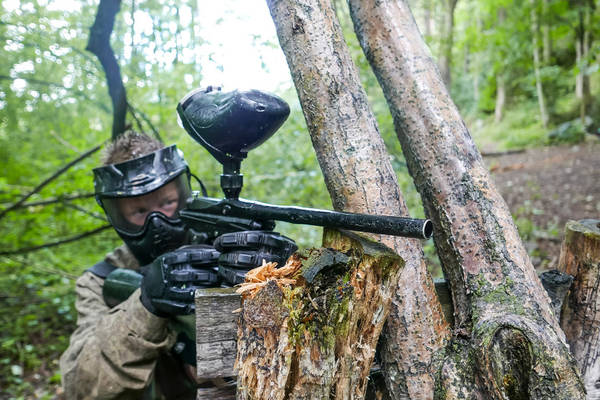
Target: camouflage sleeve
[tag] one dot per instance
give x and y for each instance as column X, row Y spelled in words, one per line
column 113, row 352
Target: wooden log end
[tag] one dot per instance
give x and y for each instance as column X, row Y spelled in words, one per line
column 216, row 327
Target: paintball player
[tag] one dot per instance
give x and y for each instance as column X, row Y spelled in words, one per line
column 126, row 350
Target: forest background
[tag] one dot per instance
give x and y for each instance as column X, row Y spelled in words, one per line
column 524, row 74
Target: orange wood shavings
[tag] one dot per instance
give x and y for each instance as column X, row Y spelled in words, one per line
column 257, row 278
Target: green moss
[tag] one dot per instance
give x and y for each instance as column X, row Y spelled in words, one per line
column 320, row 308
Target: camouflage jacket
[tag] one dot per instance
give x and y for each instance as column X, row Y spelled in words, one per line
column 121, row 352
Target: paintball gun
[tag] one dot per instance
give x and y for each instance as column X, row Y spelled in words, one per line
column 229, row 125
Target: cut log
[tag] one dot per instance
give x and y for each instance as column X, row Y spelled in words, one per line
column 317, row 339
column 216, row 332
column 580, row 317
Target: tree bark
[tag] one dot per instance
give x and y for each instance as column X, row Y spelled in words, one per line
column 539, row 86
column 507, row 343
column 317, row 339
column 99, row 44
column 359, row 176
column 580, row 318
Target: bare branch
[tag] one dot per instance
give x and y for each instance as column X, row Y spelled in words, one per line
column 133, row 110
column 49, row 179
column 54, row 200
column 44, row 269
column 135, row 117
column 75, row 238
column 86, row 212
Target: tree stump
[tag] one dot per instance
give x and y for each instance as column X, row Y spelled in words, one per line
column 317, row 338
column 580, row 317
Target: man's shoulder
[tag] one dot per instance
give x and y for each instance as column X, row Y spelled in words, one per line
column 122, row 257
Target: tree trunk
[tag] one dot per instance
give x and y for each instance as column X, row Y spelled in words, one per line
column 582, row 48
column 507, row 342
column 478, row 62
column 500, row 78
column 546, row 38
column 317, row 339
column 99, row 44
column 500, row 97
column 427, row 19
column 359, row 176
column 535, row 33
column 580, row 318
column 447, row 42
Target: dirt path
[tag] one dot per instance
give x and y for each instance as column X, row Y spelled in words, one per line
column 548, row 186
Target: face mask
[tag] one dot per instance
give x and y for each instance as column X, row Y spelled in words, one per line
column 141, row 198
column 159, row 235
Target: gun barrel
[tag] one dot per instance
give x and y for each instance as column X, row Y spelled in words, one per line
column 382, row 224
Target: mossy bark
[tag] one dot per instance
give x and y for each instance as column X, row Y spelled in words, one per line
column 317, row 339
column 580, row 317
column 359, row 176
column 507, row 342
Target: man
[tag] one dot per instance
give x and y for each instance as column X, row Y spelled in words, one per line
column 126, row 351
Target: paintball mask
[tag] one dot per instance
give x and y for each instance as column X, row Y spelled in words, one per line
column 142, row 198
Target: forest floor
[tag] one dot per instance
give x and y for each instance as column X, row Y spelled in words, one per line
column 544, row 188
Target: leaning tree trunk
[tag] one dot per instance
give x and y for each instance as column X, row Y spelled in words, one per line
column 507, row 342
column 358, row 173
column 580, row 318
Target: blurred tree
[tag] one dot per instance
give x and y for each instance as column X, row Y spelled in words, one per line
column 537, row 62
column 583, row 41
column 447, row 38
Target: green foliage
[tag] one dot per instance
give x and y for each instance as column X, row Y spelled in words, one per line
column 568, row 132
column 517, row 130
column 495, row 38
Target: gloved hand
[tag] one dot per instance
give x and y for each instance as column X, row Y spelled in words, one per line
column 243, row 251
column 170, row 281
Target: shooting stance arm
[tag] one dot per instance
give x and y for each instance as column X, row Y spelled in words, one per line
column 113, row 352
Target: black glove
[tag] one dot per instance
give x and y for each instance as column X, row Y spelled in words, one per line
column 170, row 281
column 243, row 251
